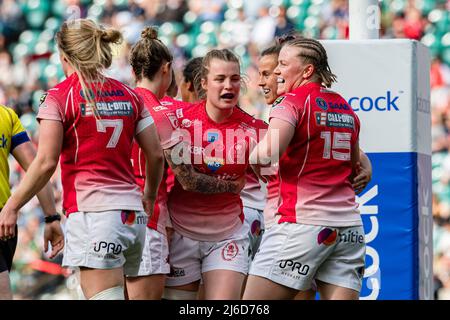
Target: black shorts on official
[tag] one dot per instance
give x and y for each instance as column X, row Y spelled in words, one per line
column 7, row 249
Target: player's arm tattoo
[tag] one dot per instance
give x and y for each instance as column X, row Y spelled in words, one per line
column 195, row 181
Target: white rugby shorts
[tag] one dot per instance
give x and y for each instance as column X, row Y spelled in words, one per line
column 255, row 220
column 293, row 255
column 105, row 240
column 189, row 258
column 155, row 256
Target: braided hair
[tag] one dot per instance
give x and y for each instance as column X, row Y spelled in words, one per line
column 312, row 52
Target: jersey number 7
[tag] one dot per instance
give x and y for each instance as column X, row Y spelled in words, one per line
column 117, row 124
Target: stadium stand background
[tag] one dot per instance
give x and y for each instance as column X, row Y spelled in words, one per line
column 29, row 65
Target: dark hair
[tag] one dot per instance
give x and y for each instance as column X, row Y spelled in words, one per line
column 273, row 50
column 314, row 53
column 173, row 87
column 288, row 36
column 148, row 54
column 191, row 69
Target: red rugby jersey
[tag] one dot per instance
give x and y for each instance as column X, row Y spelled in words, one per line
column 168, row 137
column 96, row 171
column 220, row 150
column 314, row 171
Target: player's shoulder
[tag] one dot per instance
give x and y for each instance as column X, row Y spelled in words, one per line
column 62, row 89
column 6, row 110
column 149, row 98
column 329, row 100
column 173, row 104
column 121, row 88
column 250, row 120
column 60, row 93
column 8, row 113
column 290, row 99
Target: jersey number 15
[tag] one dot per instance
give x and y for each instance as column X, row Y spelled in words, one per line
column 341, row 140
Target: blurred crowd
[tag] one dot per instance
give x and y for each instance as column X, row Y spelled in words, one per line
column 29, row 66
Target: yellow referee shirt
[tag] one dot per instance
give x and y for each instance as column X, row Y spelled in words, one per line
column 12, row 134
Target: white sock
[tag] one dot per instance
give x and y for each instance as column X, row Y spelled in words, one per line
column 114, row 293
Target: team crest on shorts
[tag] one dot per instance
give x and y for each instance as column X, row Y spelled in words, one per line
column 230, row 251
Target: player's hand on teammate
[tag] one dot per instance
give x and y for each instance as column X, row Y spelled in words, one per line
column 53, row 234
column 148, row 203
column 362, row 178
column 8, row 221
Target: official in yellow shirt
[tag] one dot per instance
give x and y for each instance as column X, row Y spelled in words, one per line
column 14, row 140
column 12, row 134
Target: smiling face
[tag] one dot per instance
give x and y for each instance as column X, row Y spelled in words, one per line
column 291, row 71
column 267, row 78
column 222, row 84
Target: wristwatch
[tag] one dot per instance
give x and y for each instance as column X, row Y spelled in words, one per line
column 54, row 217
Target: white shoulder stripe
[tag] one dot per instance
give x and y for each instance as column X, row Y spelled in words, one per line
column 74, row 126
column 306, row 106
column 144, row 123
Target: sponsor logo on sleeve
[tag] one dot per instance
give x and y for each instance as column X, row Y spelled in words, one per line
column 278, row 101
column 42, row 100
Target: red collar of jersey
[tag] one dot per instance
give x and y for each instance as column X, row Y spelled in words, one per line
column 309, row 85
column 203, row 106
column 137, row 89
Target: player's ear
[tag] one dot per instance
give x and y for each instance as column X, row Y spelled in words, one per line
column 166, row 66
column 308, row 71
column 204, row 83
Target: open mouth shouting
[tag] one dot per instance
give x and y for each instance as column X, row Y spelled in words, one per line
column 227, row 96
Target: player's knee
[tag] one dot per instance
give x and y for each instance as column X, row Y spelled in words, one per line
column 114, row 293
column 176, row 294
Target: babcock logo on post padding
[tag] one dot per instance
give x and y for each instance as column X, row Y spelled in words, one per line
column 386, row 102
